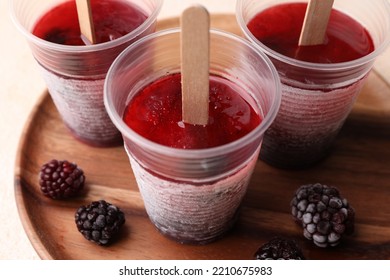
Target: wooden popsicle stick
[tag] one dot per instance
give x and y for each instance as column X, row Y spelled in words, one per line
column 195, row 52
column 84, row 13
column 315, row 22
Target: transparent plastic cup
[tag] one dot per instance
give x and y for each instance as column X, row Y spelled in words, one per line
column 75, row 75
column 316, row 97
column 193, row 195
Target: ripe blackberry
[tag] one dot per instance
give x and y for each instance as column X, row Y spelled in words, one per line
column 99, row 221
column 279, row 249
column 61, row 179
column 324, row 215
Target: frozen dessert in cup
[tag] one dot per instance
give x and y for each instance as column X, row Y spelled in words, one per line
column 319, row 83
column 192, row 185
column 74, row 72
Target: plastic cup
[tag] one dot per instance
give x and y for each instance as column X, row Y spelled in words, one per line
column 316, row 98
column 75, row 75
column 193, row 195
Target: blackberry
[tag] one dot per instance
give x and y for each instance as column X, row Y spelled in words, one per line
column 99, row 221
column 279, row 249
column 61, row 179
column 324, row 215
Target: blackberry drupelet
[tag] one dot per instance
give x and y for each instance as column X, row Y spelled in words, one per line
column 324, row 215
column 61, row 179
column 279, row 249
column 99, row 221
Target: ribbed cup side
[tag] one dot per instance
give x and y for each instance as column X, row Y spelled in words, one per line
column 307, row 124
column 191, row 213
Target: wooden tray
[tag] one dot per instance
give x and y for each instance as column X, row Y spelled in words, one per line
column 358, row 165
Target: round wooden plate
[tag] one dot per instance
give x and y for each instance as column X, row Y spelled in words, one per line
column 358, row 165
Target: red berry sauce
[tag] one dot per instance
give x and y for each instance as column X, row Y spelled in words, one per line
column 279, row 28
column 155, row 113
column 112, row 19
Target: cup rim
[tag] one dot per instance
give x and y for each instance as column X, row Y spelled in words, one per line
column 86, row 48
column 192, row 153
column 312, row 65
